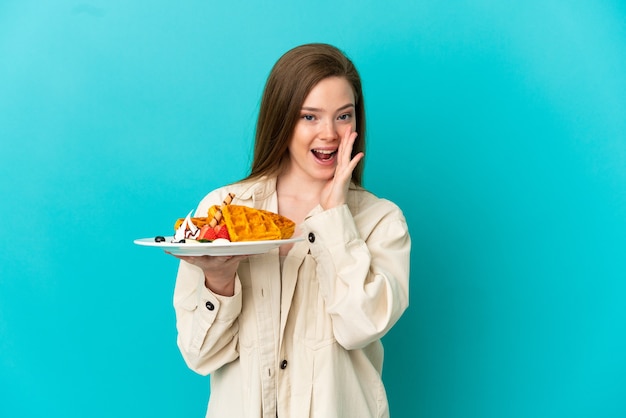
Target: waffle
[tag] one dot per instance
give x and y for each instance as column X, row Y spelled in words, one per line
column 249, row 224
column 211, row 220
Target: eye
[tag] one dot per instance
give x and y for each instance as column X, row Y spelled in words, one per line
column 308, row 117
column 345, row 116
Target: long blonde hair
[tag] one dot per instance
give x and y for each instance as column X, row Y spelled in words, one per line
column 292, row 78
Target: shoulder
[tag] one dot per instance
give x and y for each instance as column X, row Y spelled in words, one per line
column 376, row 218
column 365, row 203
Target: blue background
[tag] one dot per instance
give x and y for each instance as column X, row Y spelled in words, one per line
column 499, row 128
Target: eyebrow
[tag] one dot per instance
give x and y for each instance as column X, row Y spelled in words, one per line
column 315, row 109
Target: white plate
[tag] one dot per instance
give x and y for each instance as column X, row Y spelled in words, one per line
column 211, row 248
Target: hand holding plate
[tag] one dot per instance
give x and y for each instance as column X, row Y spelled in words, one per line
column 219, row 271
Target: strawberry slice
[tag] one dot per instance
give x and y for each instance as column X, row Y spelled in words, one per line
column 222, row 232
column 207, row 234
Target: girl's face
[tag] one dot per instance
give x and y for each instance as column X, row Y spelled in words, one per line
column 327, row 113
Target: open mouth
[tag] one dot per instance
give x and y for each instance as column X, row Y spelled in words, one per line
column 324, row 155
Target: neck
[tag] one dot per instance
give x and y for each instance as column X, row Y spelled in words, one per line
column 299, row 188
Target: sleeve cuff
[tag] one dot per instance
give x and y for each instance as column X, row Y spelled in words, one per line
column 219, row 307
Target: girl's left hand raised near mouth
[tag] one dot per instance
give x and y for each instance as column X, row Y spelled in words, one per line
column 335, row 192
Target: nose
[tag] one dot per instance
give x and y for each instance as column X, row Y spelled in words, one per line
column 329, row 131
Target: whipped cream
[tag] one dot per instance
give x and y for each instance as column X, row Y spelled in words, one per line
column 186, row 230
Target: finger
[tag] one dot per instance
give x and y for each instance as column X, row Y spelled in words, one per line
column 180, row 257
column 241, row 257
column 349, row 144
column 355, row 161
column 195, row 260
column 217, row 259
column 233, row 259
column 345, row 148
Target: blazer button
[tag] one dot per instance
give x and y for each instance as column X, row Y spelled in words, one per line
column 311, row 237
column 209, row 305
column 283, row 364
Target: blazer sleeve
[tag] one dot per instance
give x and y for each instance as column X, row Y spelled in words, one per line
column 207, row 323
column 363, row 270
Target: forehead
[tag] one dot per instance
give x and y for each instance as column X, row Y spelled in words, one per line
column 330, row 92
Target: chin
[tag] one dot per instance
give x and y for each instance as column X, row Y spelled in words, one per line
column 324, row 172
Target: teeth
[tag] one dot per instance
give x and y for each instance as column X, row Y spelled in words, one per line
column 323, row 151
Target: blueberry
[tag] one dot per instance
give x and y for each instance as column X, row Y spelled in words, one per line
column 159, row 239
